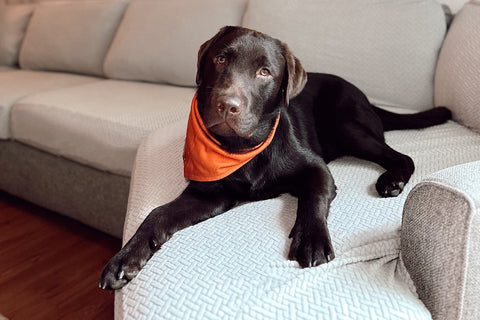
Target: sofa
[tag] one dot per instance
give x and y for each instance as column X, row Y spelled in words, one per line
column 94, row 99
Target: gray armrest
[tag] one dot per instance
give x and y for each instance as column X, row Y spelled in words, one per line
column 441, row 241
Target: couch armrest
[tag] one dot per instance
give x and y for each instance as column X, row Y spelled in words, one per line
column 157, row 176
column 441, row 241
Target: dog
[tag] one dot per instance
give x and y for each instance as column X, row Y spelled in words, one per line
column 270, row 131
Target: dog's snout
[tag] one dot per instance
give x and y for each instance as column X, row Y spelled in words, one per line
column 229, row 105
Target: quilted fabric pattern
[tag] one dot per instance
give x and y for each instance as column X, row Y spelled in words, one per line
column 234, row 266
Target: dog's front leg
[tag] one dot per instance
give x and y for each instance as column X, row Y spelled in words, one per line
column 311, row 243
column 188, row 209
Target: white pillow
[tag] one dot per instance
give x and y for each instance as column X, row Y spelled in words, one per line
column 72, row 36
column 387, row 48
column 457, row 80
column 13, row 23
column 158, row 41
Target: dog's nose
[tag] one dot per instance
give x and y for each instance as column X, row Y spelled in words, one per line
column 229, row 105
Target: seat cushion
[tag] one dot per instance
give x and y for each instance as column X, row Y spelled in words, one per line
column 16, row 84
column 99, row 124
column 235, row 266
column 387, row 48
column 72, row 36
column 158, row 41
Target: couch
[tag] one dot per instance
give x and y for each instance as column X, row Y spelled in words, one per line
column 94, row 98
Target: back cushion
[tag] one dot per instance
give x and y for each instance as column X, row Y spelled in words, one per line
column 158, row 41
column 457, row 81
column 13, row 23
column 72, row 36
column 387, row 48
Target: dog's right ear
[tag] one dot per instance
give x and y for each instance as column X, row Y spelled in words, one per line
column 204, row 49
column 296, row 76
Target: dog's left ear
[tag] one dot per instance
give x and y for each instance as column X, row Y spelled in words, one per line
column 295, row 75
column 204, row 48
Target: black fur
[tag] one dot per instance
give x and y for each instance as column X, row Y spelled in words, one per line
column 245, row 78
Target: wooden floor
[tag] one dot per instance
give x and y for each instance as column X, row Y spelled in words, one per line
column 50, row 265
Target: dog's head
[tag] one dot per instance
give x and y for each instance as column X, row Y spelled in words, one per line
column 243, row 78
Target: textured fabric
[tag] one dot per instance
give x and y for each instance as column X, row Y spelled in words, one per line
column 99, row 124
column 454, row 5
column 386, row 48
column 6, row 68
column 71, row 36
column 441, row 241
column 93, row 197
column 457, row 81
column 235, row 265
column 158, row 41
column 13, row 23
column 203, row 157
column 16, row 84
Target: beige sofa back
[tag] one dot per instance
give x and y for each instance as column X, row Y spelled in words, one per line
column 158, row 41
column 388, row 48
column 71, row 36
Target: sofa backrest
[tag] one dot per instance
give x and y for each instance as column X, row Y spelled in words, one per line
column 388, row 48
column 13, row 23
column 158, row 40
column 71, row 36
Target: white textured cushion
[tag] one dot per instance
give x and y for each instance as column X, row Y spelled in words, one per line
column 16, row 84
column 454, row 5
column 99, row 124
column 457, row 81
column 158, row 41
column 386, row 48
column 235, row 266
column 71, row 36
column 13, row 23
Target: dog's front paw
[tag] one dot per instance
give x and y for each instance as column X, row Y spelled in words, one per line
column 127, row 263
column 311, row 245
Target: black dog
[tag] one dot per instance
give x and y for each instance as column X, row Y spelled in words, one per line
column 249, row 84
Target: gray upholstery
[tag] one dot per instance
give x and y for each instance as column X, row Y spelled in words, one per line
column 441, row 241
column 94, row 197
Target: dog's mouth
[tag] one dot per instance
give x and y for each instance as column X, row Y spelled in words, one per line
column 225, row 129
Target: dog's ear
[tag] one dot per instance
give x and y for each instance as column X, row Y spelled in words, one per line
column 204, row 48
column 295, row 75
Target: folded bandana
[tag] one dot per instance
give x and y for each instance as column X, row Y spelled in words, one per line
column 203, row 157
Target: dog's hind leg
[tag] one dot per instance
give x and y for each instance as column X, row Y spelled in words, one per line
column 362, row 143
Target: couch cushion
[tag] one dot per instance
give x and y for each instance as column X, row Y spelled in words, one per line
column 457, row 81
column 387, row 48
column 16, row 84
column 99, row 124
column 235, row 266
column 158, row 41
column 13, row 23
column 71, row 36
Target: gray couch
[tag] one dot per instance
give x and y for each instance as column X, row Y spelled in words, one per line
column 94, row 97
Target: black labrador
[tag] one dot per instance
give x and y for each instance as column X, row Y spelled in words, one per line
column 246, row 80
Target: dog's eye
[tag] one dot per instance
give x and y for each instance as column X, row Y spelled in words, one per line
column 264, row 72
column 220, row 59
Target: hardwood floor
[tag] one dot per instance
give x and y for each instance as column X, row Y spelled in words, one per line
column 50, row 265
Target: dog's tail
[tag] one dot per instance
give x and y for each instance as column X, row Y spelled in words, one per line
column 428, row 118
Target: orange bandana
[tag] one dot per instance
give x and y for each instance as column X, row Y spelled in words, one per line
column 204, row 159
